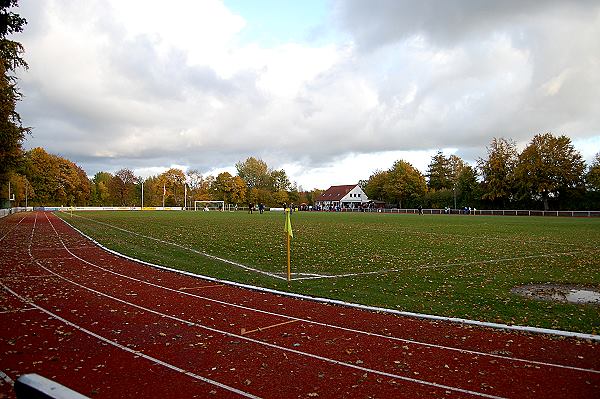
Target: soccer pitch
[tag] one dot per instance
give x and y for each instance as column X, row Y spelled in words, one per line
column 447, row 265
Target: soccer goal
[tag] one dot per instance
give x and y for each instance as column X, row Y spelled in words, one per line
column 209, row 205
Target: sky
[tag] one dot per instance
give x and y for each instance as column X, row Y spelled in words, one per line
column 330, row 91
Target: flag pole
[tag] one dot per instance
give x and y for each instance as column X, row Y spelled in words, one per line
column 289, row 234
column 289, row 269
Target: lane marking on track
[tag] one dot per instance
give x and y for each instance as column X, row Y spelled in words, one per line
column 245, row 332
column 137, row 353
column 58, row 258
column 21, row 277
column 262, row 343
column 422, row 316
column 442, row 347
column 6, row 378
column 230, row 262
column 16, row 310
column 267, row 344
column 12, row 228
column 201, row 287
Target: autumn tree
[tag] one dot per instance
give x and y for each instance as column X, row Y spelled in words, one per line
column 375, row 185
column 230, row 189
column 56, row 180
column 174, row 191
column 254, row 172
column 122, row 188
column 549, row 167
column 497, row 171
column 404, row 185
column 12, row 131
column 199, row 185
column 100, row 192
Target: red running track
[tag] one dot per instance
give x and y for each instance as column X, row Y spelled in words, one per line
column 108, row 327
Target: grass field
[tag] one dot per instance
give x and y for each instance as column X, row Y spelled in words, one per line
column 447, row 265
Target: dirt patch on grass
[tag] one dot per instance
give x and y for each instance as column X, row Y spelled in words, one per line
column 560, row 293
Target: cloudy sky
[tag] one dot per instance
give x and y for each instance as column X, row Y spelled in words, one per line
column 328, row 90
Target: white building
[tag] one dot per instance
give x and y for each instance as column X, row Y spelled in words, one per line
column 349, row 196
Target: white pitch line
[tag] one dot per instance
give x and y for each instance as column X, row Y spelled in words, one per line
column 465, row 351
column 137, row 353
column 424, row 267
column 241, row 265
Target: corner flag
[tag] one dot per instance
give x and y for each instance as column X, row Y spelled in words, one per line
column 288, row 223
column 288, row 234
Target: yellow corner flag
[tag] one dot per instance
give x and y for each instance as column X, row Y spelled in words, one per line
column 289, row 234
column 288, row 223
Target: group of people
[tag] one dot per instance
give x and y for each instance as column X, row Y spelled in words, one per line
column 261, row 207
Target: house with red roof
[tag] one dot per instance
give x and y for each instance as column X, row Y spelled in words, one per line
column 345, row 197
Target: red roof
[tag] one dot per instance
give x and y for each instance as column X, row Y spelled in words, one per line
column 335, row 193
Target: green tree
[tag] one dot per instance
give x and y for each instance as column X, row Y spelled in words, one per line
column 12, row 131
column 439, row 172
column 279, row 180
column 592, row 177
column 497, row 171
column 549, row 167
column 467, row 187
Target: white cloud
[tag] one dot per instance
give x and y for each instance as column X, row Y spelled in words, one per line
column 143, row 84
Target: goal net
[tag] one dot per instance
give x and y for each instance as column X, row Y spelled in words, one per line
column 209, row 205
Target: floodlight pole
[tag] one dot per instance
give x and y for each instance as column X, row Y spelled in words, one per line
column 142, row 208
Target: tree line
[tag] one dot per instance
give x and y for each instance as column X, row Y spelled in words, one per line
column 45, row 179
column 548, row 174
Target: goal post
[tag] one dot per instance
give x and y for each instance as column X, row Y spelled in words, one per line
column 209, row 205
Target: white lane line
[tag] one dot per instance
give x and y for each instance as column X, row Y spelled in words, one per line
column 16, row 310
column 240, row 265
column 6, row 378
column 464, row 351
column 12, row 228
column 137, row 353
column 273, row 346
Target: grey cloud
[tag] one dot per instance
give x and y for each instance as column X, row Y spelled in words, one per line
column 374, row 24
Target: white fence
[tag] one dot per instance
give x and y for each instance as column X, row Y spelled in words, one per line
column 6, row 212
column 491, row 212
